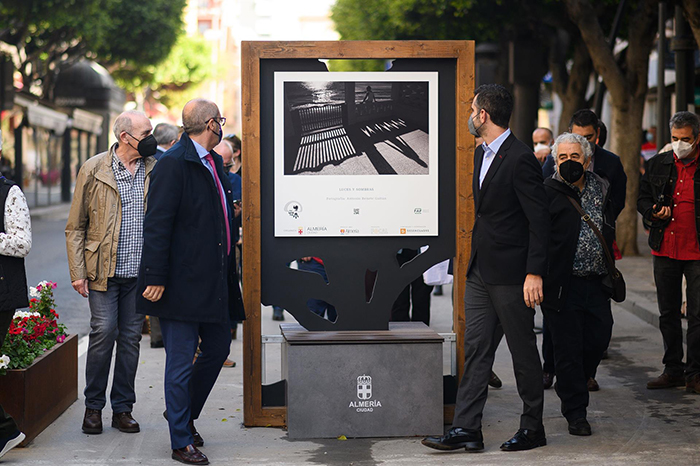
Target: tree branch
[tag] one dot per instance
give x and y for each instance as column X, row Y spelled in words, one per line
column 641, row 41
column 692, row 14
column 582, row 14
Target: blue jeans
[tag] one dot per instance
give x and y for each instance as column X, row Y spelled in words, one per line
column 113, row 319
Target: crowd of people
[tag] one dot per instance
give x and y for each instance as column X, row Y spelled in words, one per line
column 544, row 235
column 153, row 230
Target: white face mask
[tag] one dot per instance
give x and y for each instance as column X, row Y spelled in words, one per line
column 682, row 149
column 539, row 146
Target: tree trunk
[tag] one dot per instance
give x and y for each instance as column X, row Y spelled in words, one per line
column 692, row 14
column 574, row 97
column 626, row 138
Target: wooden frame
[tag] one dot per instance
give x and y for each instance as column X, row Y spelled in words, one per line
column 254, row 414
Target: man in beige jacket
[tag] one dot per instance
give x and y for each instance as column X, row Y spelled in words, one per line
column 104, row 237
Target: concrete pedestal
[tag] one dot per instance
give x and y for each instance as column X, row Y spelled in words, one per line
column 363, row 384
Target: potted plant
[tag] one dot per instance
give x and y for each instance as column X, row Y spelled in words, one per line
column 38, row 365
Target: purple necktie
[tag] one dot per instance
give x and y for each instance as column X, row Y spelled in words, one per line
column 220, row 189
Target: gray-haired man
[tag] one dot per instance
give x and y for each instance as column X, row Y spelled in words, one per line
column 104, row 237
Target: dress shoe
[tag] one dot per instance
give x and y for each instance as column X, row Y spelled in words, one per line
column 525, row 439
column 579, row 426
column 592, row 385
column 229, row 363
column 92, row 422
column 547, row 380
column 157, row 344
column 693, row 384
column 125, row 423
column 190, row 455
column 470, row 440
column 198, row 440
column 494, row 381
column 666, row 381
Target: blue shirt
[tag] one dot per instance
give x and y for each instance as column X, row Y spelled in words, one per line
column 490, row 152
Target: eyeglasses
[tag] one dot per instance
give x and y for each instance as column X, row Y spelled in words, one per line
column 219, row 120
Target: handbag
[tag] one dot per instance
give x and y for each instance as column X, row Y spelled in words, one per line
column 613, row 282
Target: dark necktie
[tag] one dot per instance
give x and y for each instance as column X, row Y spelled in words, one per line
column 220, row 190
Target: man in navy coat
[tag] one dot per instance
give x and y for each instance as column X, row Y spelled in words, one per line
column 187, row 278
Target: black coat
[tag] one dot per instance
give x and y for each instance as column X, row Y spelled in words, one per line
column 660, row 178
column 511, row 228
column 13, row 278
column 563, row 239
column 608, row 166
column 184, row 241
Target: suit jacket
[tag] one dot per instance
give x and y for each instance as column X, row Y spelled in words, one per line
column 511, row 228
column 607, row 165
column 184, row 241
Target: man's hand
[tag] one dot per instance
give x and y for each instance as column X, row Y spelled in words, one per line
column 81, row 286
column 532, row 290
column 153, row 293
column 662, row 214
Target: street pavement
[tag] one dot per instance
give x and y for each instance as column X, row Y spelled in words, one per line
column 631, row 425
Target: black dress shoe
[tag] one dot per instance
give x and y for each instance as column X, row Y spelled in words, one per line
column 470, row 440
column 494, row 381
column 92, row 422
column 525, row 439
column 190, row 455
column 547, row 380
column 580, row 427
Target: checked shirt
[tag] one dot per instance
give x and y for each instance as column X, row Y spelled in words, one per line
column 131, row 192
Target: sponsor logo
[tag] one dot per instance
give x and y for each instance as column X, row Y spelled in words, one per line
column 301, row 230
column 293, row 208
column 379, row 231
column 349, row 231
column 417, row 211
column 315, row 230
column 364, row 394
column 403, row 231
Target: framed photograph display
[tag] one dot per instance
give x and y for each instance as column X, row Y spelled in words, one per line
column 356, row 154
column 351, row 170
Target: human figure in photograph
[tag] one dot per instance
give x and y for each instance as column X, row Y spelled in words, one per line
column 504, row 276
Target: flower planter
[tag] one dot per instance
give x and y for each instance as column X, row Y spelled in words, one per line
column 37, row 395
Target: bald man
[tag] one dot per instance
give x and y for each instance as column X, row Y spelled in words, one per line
column 104, row 236
column 542, row 140
column 187, row 277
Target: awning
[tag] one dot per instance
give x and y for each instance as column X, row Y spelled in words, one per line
column 43, row 117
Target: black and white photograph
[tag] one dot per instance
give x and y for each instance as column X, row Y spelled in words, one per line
column 356, row 128
column 351, row 127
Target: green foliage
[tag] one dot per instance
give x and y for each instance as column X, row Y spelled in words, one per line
column 41, row 34
column 356, row 65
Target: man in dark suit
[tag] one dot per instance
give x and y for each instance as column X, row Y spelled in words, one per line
column 166, row 137
column 504, row 277
column 187, row 278
column 604, row 163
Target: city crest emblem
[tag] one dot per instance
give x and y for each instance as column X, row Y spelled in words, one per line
column 364, row 387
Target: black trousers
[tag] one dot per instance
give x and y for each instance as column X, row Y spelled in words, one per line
column 547, row 347
column 581, row 332
column 7, row 424
column 418, row 293
column 668, row 275
column 485, row 307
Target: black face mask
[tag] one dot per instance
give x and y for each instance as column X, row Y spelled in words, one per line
column 147, row 146
column 219, row 133
column 571, row 171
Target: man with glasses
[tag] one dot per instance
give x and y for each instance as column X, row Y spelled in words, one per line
column 187, row 277
column 104, row 236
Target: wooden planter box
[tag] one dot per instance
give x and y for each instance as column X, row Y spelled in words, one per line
column 37, row 395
